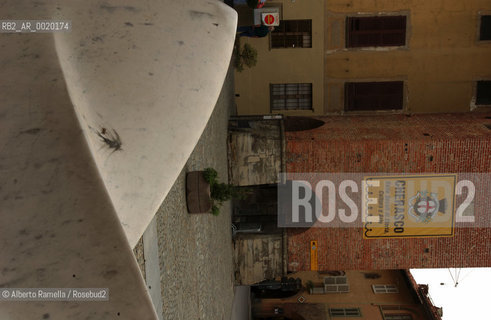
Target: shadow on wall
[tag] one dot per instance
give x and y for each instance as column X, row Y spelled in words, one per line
column 302, row 123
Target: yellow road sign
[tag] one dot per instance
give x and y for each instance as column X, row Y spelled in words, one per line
column 409, row 206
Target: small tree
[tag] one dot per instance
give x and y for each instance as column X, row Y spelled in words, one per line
column 247, row 56
column 221, row 192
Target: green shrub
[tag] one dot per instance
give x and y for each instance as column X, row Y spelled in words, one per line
column 221, row 192
column 215, row 210
column 247, row 56
column 309, row 285
column 210, row 175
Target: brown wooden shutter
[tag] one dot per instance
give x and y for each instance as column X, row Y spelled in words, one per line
column 483, row 94
column 376, row 31
column 485, row 30
column 361, row 96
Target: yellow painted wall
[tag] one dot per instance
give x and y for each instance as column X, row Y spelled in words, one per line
column 442, row 60
column 439, row 65
column 283, row 65
column 361, row 291
column 361, row 294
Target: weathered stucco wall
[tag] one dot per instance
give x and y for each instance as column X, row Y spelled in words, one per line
column 258, row 257
column 255, row 152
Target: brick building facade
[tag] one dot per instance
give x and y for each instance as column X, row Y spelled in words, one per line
column 396, row 143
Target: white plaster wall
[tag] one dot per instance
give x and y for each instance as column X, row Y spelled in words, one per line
column 152, row 72
column 71, row 207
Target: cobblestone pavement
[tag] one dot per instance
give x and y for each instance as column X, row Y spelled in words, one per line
column 196, row 251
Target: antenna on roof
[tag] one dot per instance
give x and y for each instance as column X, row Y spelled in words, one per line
column 455, row 276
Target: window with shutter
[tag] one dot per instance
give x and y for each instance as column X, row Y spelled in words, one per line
column 336, row 284
column 485, row 29
column 292, row 34
column 291, row 96
column 384, row 288
column 344, row 312
column 398, row 317
column 365, row 96
column 318, row 290
column 380, row 31
column 483, row 93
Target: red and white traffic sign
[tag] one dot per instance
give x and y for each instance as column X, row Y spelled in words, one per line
column 270, row 18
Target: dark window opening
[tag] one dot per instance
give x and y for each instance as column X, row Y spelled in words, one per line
column 243, row 124
column 292, row 34
column 258, row 211
column 485, row 32
column 344, row 312
column 301, row 123
column 371, row 275
column 375, row 31
column 291, row 96
column 483, row 93
column 398, row 316
column 365, row 96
